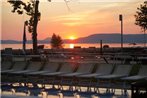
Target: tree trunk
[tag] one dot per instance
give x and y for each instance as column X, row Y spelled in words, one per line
column 144, row 39
column 34, row 34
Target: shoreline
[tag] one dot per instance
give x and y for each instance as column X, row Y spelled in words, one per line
column 72, row 45
column 82, row 50
column 80, row 54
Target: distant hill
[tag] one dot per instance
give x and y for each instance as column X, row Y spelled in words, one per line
column 95, row 38
column 47, row 40
column 112, row 38
column 10, row 42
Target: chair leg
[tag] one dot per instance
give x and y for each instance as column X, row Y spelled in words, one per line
column 108, row 90
column 88, row 89
column 97, row 84
column 113, row 91
column 71, row 88
column 124, row 92
column 90, row 85
column 53, row 86
column 124, row 88
column 43, row 85
column 96, row 90
column 78, row 88
column 61, row 87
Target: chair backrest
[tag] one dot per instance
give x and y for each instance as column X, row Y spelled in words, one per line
column 67, row 67
column 122, row 69
column 8, row 51
column 34, row 65
column 5, row 65
column 20, row 58
column 19, row 65
column 51, row 66
column 104, row 68
column 143, row 70
column 85, row 67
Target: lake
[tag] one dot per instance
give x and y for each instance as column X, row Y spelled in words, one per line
column 83, row 45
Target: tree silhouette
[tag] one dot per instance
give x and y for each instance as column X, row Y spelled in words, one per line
column 141, row 18
column 31, row 9
column 56, row 42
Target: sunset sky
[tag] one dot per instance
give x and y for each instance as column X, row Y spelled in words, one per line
column 84, row 18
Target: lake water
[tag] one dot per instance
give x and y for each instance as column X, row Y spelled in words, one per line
column 83, row 45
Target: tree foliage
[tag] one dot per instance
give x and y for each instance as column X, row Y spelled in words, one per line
column 29, row 8
column 141, row 16
column 56, row 42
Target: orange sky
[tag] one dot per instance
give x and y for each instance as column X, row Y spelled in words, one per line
column 85, row 18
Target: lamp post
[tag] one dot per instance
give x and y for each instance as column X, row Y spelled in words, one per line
column 24, row 36
column 101, row 47
column 121, row 20
column 144, row 39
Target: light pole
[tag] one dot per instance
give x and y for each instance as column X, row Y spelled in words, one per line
column 24, row 36
column 144, row 39
column 121, row 20
column 101, row 47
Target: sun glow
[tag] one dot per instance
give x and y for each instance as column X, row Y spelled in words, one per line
column 72, row 38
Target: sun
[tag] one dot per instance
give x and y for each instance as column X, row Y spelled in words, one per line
column 72, row 38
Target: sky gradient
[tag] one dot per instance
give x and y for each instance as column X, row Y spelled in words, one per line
column 84, row 18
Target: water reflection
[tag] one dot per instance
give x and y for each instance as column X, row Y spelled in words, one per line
column 71, row 45
column 83, row 45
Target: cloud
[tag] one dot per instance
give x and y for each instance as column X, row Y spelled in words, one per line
column 80, row 19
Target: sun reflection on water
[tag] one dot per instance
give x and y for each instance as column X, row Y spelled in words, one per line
column 71, row 45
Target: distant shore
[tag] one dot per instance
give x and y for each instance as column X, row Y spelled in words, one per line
column 94, row 38
column 72, row 45
column 94, row 50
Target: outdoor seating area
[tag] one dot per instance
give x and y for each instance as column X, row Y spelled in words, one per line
column 50, row 76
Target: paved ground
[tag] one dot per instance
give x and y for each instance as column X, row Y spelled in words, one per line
column 118, row 94
column 56, row 96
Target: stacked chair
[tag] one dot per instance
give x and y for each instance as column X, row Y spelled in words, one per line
column 6, row 65
column 108, row 81
column 142, row 75
column 74, row 75
column 86, row 80
column 17, row 66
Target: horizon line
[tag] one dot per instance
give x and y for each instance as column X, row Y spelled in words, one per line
column 78, row 37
